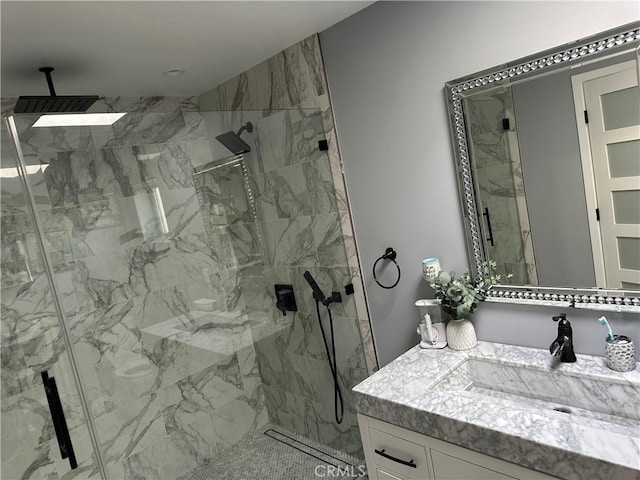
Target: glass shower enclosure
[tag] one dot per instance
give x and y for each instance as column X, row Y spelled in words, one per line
column 139, row 262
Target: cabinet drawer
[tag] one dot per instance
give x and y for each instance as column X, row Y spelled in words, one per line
column 382, row 475
column 397, row 455
column 446, row 467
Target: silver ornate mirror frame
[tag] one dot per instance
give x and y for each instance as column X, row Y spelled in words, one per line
column 625, row 37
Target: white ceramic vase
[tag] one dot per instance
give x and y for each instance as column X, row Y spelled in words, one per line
column 461, row 335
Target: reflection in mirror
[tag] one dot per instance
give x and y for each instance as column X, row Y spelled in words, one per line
column 548, row 157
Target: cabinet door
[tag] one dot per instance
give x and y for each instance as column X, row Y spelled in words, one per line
column 447, row 467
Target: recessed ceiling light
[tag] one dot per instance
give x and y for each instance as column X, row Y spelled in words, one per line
column 78, row 119
column 174, row 72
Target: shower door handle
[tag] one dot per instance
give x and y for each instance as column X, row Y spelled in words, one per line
column 486, row 214
column 59, row 422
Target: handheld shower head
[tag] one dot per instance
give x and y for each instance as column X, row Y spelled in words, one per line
column 317, row 292
column 233, row 142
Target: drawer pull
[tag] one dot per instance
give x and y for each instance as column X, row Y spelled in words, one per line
column 395, row 459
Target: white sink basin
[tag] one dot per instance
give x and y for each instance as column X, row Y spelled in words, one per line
column 555, row 390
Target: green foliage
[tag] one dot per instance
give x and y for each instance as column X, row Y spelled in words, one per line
column 460, row 296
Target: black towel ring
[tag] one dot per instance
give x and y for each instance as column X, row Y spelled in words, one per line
column 389, row 254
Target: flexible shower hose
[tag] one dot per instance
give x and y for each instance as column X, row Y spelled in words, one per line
column 338, row 402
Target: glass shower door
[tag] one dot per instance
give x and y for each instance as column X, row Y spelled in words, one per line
column 163, row 346
column 34, row 353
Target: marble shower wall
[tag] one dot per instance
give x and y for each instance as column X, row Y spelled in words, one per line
column 168, row 384
column 499, row 177
column 306, row 225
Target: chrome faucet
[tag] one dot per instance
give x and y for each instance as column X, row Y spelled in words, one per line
column 562, row 346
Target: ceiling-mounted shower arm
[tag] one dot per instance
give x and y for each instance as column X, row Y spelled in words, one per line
column 52, row 103
column 47, row 73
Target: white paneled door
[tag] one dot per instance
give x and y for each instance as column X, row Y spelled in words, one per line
column 612, row 104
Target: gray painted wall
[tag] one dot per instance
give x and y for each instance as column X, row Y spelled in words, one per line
column 552, row 171
column 386, row 67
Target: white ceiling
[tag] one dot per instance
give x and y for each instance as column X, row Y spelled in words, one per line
column 116, row 48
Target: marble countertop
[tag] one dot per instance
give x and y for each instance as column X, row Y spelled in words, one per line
column 417, row 391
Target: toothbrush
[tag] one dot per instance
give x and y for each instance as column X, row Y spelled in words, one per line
column 603, row 321
column 429, row 328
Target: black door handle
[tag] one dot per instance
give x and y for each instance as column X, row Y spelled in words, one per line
column 59, row 422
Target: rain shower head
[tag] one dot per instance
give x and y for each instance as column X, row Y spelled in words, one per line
column 54, row 103
column 233, row 142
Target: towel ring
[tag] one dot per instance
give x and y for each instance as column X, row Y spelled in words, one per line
column 389, row 254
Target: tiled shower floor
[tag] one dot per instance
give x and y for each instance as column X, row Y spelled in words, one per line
column 273, row 453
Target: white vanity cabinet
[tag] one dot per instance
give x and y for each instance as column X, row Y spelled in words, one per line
column 395, row 453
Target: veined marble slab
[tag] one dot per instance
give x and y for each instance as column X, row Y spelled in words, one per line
column 424, row 391
column 219, row 332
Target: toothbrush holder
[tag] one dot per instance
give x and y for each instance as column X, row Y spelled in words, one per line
column 620, row 354
column 430, row 269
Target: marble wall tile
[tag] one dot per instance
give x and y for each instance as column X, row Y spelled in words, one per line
column 15, row 375
column 141, row 420
column 142, row 128
column 327, row 234
column 303, row 189
column 14, row 223
column 156, row 104
column 20, row 257
column 236, row 195
column 303, row 338
column 287, row 409
column 234, row 420
column 258, row 287
column 200, row 152
column 289, row 242
column 169, row 458
column 248, row 241
column 13, row 199
column 189, row 104
column 263, row 192
column 274, row 142
column 289, row 192
column 194, row 123
column 308, row 130
column 35, row 142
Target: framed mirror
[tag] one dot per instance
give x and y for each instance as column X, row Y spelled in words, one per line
column 548, row 160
